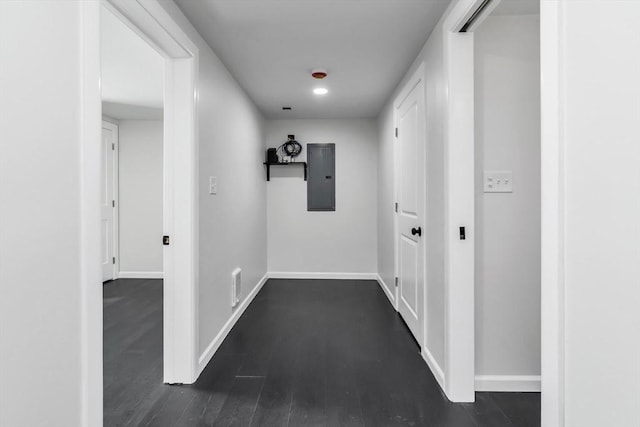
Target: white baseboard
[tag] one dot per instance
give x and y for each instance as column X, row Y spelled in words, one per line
column 211, row 349
column 521, row 383
column 387, row 291
column 313, row 275
column 437, row 371
column 140, row 275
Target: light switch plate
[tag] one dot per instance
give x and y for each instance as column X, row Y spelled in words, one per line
column 213, row 185
column 498, row 181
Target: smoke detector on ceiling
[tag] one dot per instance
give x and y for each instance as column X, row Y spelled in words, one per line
column 319, row 73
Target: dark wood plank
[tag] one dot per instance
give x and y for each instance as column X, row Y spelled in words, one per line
column 487, row 413
column 305, row 352
column 241, row 403
column 132, row 350
column 523, row 409
column 274, row 404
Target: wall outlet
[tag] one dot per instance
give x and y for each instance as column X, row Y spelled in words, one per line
column 498, row 181
column 213, row 185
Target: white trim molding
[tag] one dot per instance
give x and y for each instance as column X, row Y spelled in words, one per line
column 552, row 146
column 459, row 255
column 436, row 370
column 390, row 295
column 512, row 383
column 318, row 275
column 90, row 128
column 211, row 349
column 110, row 120
column 140, row 275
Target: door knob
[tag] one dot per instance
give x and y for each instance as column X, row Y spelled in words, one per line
column 417, row 231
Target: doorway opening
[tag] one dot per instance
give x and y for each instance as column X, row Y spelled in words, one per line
column 465, row 172
column 132, row 86
column 507, row 202
column 132, row 92
column 155, row 25
column 492, row 60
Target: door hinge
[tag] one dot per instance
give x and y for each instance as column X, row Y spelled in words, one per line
column 114, row 260
column 396, row 132
column 113, row 203
column 396, row 204
column 396, row 282
column 113, row 146
column 165, row 240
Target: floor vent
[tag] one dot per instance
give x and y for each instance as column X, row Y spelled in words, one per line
column 236, row 281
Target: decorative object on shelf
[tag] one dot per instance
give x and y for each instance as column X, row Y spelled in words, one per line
column 292, row 148
column 272, row 155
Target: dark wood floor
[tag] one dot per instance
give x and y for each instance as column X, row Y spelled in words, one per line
column 305, row 353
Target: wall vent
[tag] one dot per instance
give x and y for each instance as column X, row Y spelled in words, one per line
column 236, row 281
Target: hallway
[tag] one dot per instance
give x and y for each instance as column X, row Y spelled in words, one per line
column 306, row 352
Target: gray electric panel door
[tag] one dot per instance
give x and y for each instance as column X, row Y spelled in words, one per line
column 321, row 184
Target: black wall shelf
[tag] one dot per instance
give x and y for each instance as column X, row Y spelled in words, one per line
column 285, row 164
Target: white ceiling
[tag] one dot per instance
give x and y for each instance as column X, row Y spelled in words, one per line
column 271, row 46
column 132, row 73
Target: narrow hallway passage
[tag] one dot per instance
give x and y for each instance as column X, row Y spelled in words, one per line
column 306, row 352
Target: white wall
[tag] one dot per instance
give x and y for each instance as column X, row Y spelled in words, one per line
column 232, row 223
column 435, row 96
column 41, row 362
column 140, row 193
column 591, row 93
column 343, row 241
column 507, row 137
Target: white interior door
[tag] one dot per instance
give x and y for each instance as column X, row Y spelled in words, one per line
column 107, row 200
column 410, row 193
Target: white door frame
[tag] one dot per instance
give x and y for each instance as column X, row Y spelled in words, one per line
column 116, row 209
column 459, row 73
column 416, row 78
column 459, row 208
column 154, row 24
column 552, row 222
column 459, row 261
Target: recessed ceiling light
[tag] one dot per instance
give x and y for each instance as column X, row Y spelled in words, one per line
column 320, row 91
